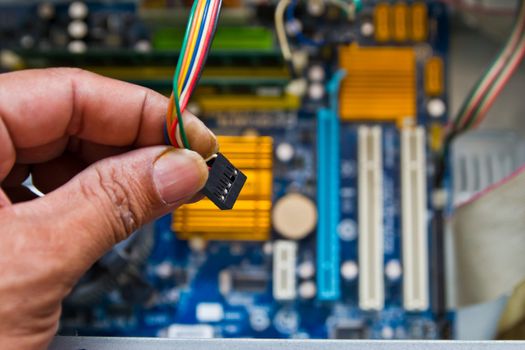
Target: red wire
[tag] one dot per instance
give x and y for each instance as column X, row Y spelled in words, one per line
column 172, row 123
column 513, row 45
column 201, row 58
column 500, row 88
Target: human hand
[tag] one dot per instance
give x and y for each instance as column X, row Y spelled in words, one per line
column 90, row 143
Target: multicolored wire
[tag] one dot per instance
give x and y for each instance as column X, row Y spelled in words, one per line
column 196, row 44
column 485, row 92
column 489, row 86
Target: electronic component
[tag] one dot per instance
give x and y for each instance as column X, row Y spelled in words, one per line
column 78, row 10
column 370, row 208
column 294, row 216
column 235, row 103
column 284, row 152
column 246, row 280
column 183, row 331
column 306, row 269
column 209, row 312
column 227, row 38
column 400, row 22
column 302, row 254
column 284, row 261
column 436, row 108
column 349, row 330
column 434, row 76
column 380, row 84
column 414, row 234
column 224, row 182
column 250, row 220
column 382, row 22
column 400, row 15
column 349, row 270
column 393, row 270
column 307, row 290
column 328, row 163
column 419, row 22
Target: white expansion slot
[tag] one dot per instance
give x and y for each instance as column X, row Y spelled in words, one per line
column 284, row 266
column 370, row 208
column 414, row 220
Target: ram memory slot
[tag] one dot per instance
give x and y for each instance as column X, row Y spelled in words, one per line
column 370, row 209
column 328, row 260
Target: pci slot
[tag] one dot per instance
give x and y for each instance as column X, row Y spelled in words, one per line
column 370, row 208
column 328, row 260
column 284, row 262
column 414, row 220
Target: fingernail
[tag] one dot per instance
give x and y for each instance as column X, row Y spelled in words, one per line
column 215, row 143
column 179, row 174
column 202, row 139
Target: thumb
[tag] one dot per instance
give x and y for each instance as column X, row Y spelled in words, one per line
column 106, row 202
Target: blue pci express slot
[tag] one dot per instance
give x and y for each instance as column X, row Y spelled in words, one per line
column 328, row 260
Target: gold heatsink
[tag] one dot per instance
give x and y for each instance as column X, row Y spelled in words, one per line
column 249, row 220
column 380, row 84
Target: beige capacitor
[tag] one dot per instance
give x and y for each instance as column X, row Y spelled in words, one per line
column 294, row 216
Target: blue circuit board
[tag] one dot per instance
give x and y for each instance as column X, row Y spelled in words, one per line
column 176, row 304
column 193, row 277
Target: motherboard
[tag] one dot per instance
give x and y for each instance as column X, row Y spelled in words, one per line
column 336, row 233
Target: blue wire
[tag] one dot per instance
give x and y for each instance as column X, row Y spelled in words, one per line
column 207, row 49
column 166, row 135
column 197, row 44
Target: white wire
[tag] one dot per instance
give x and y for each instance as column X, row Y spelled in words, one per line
column 499, row 67
column 509, row 69
column 195, row 68
column 280, row 29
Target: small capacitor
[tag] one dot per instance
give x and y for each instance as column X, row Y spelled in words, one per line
column 367, row 29
column 393, row 270
column 284, row 152
column 436, row 107
column 77, row 29
column 306, row 269
column 78, row 10
column 316, row 91
column 349, row 270
column 307, row 290
column 77, row 46
column 46, row 11
column 316, row 73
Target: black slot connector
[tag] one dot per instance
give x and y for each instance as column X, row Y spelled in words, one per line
column 224, row 183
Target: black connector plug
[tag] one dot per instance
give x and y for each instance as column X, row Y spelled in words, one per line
column 224, row 183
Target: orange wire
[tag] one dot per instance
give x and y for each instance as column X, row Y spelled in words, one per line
column 186, row 61
column 170, row 121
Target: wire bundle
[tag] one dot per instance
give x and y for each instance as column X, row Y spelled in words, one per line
column 490, row 85
column 200, row 31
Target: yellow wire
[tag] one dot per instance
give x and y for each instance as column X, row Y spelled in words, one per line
column 192, row 44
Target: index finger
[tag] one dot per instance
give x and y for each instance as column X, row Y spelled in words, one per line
column 42, row 108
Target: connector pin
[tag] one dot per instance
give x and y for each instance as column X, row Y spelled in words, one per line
column 224, row 182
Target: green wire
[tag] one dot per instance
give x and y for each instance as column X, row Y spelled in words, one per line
column 481, row 81
column 475, row 90
column 177, row 74
column 183, row 136
column 476, row 113
column 477, row 110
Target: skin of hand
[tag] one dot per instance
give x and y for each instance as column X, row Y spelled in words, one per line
column 92, row 145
